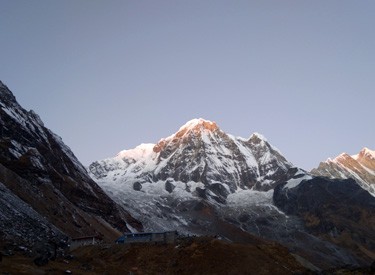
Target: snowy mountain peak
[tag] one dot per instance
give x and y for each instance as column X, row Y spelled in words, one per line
column 195, row 129
column 199, row 124
column 365, row 152
column 201, row 159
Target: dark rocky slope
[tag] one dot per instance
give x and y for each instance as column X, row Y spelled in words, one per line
column 22, row 223
column 339, row 211
column 42, row 171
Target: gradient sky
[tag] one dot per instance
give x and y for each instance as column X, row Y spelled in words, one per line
column 109, row 75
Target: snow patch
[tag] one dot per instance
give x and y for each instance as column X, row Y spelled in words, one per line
column 142, row 151
column 250, row 197
column 294, row 182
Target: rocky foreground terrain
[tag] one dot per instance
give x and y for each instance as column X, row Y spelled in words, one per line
column 202, row 255
column 188, row 256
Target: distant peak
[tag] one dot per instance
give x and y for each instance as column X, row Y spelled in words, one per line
column 366, row 152
column 199, row 123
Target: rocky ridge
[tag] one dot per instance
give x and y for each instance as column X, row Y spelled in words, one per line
column 39, row 170
column 360, row 167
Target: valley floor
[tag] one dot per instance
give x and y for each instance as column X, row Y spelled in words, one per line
column 201, row 255
column 194, row 256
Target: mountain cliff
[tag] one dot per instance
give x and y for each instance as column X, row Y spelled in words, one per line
column 37, row 168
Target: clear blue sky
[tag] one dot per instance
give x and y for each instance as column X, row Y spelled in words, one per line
column 109, row 75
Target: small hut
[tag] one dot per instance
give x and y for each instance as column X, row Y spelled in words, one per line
column 85, row 240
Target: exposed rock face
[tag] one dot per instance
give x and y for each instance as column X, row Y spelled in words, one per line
column 42, row 171
column 360, row 167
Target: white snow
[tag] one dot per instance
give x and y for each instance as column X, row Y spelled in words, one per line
column 143, row 151
column 246, row 151
column 151, row 205
column 194, row 122
column 292, row 183
column 365, row 151
column 264, row 141
column 249, row 197
column 369, row 152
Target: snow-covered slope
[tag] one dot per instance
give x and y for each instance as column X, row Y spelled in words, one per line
column 360, row 167
column 203, row 159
